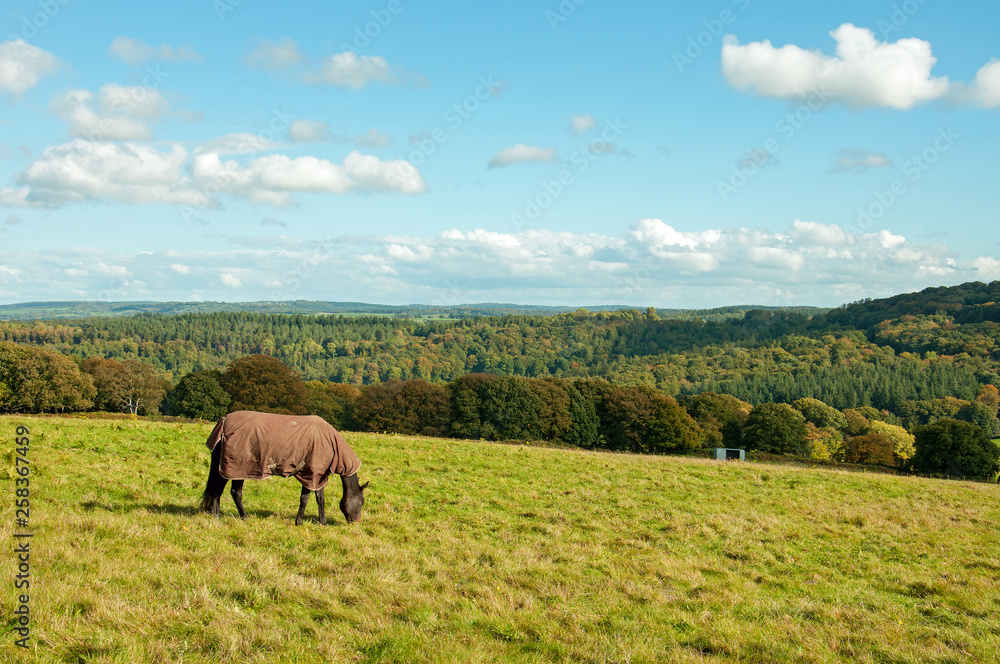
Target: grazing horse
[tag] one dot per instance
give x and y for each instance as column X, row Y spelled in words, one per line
column 247, row 445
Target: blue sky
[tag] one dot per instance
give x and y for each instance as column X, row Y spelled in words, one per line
column 575, row 153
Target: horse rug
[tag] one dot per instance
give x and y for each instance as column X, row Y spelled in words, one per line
column 259, row 445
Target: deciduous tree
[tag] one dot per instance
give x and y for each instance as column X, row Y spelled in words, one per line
column 777, row 428
column 199, row 395
column 957, row 448
column 264, row 383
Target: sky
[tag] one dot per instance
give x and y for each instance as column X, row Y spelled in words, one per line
column 555, row 152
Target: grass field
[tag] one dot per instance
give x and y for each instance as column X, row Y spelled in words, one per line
column 472, row 552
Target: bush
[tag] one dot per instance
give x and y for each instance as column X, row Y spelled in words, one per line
column 954, row 447
column 871, row 448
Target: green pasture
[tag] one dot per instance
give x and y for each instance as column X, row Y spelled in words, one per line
column 475, row 552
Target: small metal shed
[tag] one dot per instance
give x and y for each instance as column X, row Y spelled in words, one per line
column 726, row 454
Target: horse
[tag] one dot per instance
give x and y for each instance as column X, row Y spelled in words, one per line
column 251, row 445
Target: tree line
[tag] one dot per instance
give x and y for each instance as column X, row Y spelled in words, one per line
column 584, row 412
column 764, row 356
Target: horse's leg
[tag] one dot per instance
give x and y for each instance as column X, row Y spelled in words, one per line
column 321, row 503
column 237, row 491
column 216, row 484
column 303, row 501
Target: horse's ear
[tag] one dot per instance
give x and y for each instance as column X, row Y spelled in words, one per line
column 365, row 485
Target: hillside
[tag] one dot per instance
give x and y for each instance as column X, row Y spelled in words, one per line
column 916, row 348
column 28, row 311
column 474, row 552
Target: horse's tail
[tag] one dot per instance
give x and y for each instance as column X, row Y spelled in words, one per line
column 216, row 483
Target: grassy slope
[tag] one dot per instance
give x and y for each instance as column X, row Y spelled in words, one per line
column 471, row 552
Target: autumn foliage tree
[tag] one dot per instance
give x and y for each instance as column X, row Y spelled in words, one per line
column 644, row 420
column 720, row 417
column 334, row 402
column 408, row 407
column 39, row 380
column 871, row 448
column 128, row 386
column 264, row 383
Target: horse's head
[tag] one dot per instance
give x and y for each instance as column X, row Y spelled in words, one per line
column 353, row 499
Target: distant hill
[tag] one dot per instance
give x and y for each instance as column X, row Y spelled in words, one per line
column 76, row 310
column 972, row 302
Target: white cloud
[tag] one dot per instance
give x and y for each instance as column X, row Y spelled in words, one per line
column 238, row 143
column 373, row 138
column 858, row 160
column 135, row 52
column 652, row 263
column 274, row 55
column 307, row 131
column 607, row 147
column 520, row 154
column 128, row 172
column 271, row 179
column 117, row 113
column 230, row 280
column 350, row 70
column 986, row 88
column 22, row 65
column 987, row 267
column 864, row 73
column 13, row 220
column 581, row 124
column 137, row 173
column 812, row 234
column 10, row 197
column 346, row 70
column 653, row 233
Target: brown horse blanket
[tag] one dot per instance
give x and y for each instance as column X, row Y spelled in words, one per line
column 258, row 445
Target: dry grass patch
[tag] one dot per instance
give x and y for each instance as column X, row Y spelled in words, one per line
column 472, row 552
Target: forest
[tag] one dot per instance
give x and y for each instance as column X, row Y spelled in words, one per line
column 906, row 361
